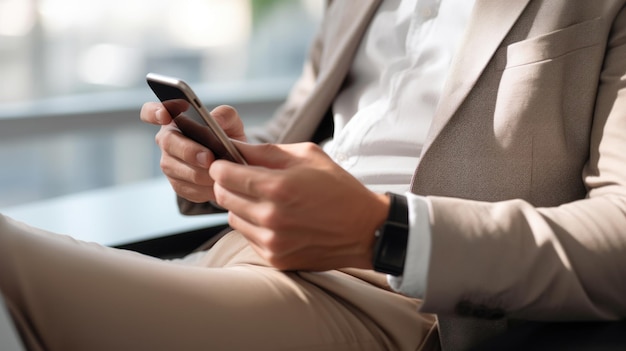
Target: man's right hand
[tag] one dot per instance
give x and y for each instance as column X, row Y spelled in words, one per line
column 184, row 162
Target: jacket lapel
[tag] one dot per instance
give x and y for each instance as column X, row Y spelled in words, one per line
column 346, row 23
column 482, row 39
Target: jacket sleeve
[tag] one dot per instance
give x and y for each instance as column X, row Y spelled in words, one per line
column 567, row 262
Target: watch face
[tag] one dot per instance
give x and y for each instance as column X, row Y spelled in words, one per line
column 390, row 252
column 393, row 236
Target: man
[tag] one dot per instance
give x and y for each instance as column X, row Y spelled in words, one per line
column 516, row 199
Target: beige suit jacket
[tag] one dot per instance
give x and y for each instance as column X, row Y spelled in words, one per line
column 525, row 162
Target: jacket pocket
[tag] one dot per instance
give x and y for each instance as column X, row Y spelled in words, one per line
column 551, row 45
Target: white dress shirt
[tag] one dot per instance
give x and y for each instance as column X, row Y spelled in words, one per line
column 382, row 115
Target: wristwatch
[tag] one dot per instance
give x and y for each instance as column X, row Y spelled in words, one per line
column 392, row 237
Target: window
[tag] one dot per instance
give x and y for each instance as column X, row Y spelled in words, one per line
column 73, row 79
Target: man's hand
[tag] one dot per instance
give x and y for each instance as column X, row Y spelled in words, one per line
column 299, row 209
column 184, row 162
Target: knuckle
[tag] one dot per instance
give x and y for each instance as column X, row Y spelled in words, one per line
column 309, row 148
column 269, row 217
column 199, row 177
column 220, row 197
column 267, row 148
column 163, row 138
column 279, row 189
column 278, row 260
column 272, row 189
column 165, row 165
column 272, row 245
column 275, row 261
column 186, row 152
column 159, row 139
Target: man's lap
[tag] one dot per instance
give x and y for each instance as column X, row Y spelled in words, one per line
column 73, row 294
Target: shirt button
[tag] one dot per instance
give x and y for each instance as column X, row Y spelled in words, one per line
column 341, row 157
column 429, row 11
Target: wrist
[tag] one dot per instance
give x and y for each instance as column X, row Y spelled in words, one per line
column 382, row 209
column 376, row 216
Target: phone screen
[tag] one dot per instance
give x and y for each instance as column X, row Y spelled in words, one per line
column 185, row 110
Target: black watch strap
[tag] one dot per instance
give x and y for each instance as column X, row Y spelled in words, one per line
column 392, row 238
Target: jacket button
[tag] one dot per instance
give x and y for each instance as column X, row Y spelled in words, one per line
column 468, row 309
column 464, row 308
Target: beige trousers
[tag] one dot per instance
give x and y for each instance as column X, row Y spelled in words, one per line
column 67, row 295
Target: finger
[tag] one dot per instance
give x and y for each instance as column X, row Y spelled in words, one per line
column 154, row 113
column 274, row 156
column 257, row 183
column 228, row 118
column 290, row 253
column 192, row 192
column 226, row 199
column 261, row 239
column 266, row 180
column 252, row 232
column 173, row 143
column 255, row 211
column 175, row 168
column 283, row 252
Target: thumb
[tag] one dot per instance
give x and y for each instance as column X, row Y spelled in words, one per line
column 273, row 156
column 228, row 118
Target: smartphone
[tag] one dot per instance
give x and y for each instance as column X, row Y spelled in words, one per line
column 191, row 117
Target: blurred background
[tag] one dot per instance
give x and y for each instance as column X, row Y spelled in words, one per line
column 72, row 80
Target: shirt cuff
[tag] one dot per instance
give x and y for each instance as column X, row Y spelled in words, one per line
column 413, row 280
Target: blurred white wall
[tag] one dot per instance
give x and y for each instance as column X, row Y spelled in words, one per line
column 72, row 80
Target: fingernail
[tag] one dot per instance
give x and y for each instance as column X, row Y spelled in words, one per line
column 203, row 159
column 157, row 115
